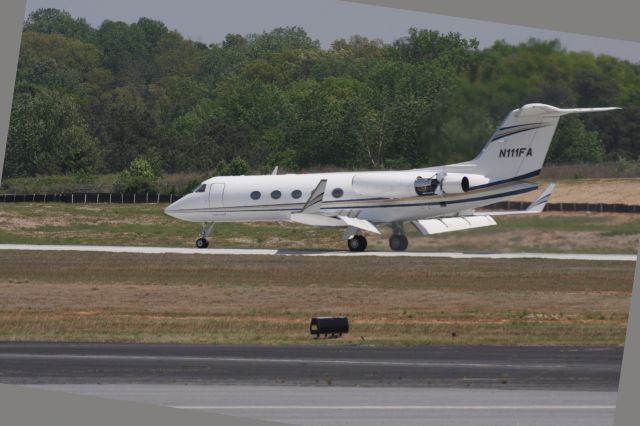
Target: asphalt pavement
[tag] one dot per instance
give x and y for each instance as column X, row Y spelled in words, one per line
column 499, row 367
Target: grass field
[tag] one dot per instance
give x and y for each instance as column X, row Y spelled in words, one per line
column 146, row 224
column 266, row 299
column 65, row 296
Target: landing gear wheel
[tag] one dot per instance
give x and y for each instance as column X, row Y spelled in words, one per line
column 398, row 243
column 202, row 243
column 357, row 243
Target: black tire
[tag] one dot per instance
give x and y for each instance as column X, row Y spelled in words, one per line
column 202, row 243
column 398, row 243
column 363, row 242
column 357, row 243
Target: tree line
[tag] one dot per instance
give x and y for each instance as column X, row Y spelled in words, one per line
column 95, row 100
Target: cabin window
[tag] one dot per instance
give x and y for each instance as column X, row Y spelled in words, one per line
column 337, row 193
column 255, row 195
column 276, row 194
column 296, row 194
column 201, row 188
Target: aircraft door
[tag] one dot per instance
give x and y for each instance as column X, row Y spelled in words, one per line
column 216, row 197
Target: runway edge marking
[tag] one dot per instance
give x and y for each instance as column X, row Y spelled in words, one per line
column 303, row 253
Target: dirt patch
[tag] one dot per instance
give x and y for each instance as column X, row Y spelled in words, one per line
column 15, row 222
column 608, row 191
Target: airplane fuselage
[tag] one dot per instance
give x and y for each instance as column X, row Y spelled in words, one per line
column 278, row 197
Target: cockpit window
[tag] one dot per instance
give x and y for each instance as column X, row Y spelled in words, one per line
column 201, row 188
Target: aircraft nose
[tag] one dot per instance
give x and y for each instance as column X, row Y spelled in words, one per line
column 174, row 209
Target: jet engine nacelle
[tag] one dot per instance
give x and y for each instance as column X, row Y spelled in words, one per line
column 385, row 184
column 407, row 185
column 458, row 183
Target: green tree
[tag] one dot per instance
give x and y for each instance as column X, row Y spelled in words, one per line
column 360, row 47
column 53, row 61
column 573, row 143
column 125, row 50
column 426, row 46
column 237, row 167
column 49, row 21
column 47, row 135
column 125, row 126
column 279, row 40
column 139, row 178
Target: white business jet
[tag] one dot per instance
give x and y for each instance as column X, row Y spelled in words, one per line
column 435, row 199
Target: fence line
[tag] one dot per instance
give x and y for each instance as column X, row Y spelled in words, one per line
column 155, row 198
column 569, row 207
column 91, row 197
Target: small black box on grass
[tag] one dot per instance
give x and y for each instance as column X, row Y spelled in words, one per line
column 329, row 326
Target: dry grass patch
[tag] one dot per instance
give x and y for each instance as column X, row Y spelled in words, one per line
column 608, row 191
column 270, row 299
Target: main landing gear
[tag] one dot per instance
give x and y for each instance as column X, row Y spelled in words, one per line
column 203, row 242
column 398, row 241
column 357, row 243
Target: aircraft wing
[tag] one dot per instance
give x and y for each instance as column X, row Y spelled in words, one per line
column 365, row 225
column 451, row 224
column 311, row 214
column 317, row 219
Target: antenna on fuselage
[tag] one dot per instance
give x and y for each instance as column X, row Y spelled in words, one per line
column 275, row 171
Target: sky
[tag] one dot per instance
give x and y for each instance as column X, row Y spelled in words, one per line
column 209, row 21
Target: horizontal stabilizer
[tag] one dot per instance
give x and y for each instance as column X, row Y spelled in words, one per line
column 452, row 224
column 542, row 109
column 537, row 206
column 365, row 225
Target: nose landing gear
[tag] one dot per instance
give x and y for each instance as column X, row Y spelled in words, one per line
column 203, row 242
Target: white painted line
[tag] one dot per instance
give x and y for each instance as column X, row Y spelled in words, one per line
column 309, row 253
column 403, row 407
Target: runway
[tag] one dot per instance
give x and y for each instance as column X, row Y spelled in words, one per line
column 576, row 368
column 355, row 385
column 312, row 253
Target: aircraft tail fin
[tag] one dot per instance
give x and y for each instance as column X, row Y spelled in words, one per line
column 518, row 148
